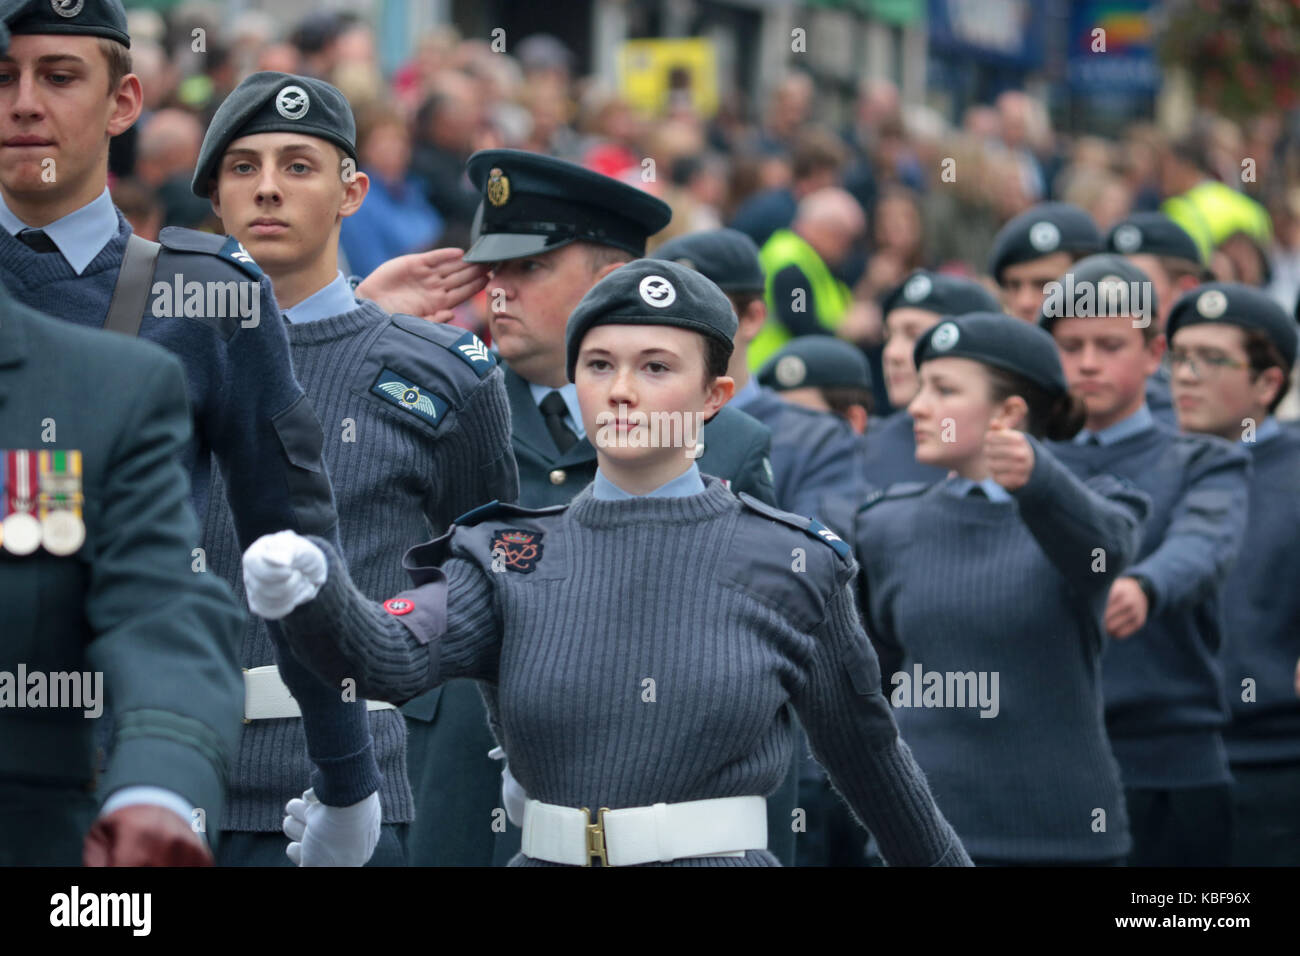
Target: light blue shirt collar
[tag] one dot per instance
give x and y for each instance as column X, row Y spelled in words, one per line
column 747, row 394
column 1135, row 424
column 688, row 482
column 960, row 487
column 335, row 299
column 569, row 393
column 80, row 235
column 1268, row 428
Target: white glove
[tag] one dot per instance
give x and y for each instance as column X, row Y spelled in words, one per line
column 512, row 795
column 331, row 836
column 281, row 571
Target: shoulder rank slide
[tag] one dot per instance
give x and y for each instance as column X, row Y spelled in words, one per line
column 902, row 489
column 223, row 247
column 810, row 526
column 470, row 349
column 409, row 397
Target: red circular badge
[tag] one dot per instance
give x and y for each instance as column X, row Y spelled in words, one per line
column 399, row 606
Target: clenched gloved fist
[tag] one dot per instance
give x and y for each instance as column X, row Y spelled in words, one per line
column 282, row 571
column 331, row 836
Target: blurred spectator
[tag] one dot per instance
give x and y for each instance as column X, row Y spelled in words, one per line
column 447, row 125
column 167, row 151
column 317, row 41
column 140, row 206
column 818, row 160
column 395, row 218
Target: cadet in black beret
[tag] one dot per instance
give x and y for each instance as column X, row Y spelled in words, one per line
column 727, row 257
column 989, row 338
column 275, row 103
column 1035, row 248
column 817, row 361
column 534, row 203
column 1232, row 303
column 1102, row 285
column 98, row 18
column 1162, row 249
column 939, row 293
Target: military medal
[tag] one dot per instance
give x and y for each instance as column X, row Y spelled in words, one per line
column 22, row 532
column 60, row 501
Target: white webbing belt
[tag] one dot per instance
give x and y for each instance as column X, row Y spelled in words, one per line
column 727, row 826
column 267, row 698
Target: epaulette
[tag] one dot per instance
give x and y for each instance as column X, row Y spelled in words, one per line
column 462, row 343
column 495, row 509
column 223, row 247
column 901, row 489
column 810, row 526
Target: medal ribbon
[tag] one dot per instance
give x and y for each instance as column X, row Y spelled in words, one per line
column 60, row 482
column 22, row 481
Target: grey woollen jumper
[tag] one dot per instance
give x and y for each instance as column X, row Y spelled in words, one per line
column 961, row 585
column 696, row 593
column 399, row 481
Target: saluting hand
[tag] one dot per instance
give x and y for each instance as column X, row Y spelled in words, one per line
column 1126, row 608
column 424, row 284
column 281, row 571
column 1009, row 456
column 144, row 835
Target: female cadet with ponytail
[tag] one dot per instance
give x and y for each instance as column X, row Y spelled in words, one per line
column 984, row 593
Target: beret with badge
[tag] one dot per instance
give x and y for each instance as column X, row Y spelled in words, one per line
column 728, row 257
column 1042, row 230
column 1152, row 234
column 96, row 18
column 1232, row 303
column 652, row 292
column 1097, row 272
column 939, row 293
column 275, row 103
column 816, row 361
column 996, row 339
column 533, row 203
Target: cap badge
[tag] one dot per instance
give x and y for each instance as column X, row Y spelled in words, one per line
column 67, row 8
column 917, row 288
column 1044, row 236
column 1128, row 238
column 791, row 371
column 1212, row 304
column 498, row 187
column 945, row 337
column 658, row 292
column 292, row 102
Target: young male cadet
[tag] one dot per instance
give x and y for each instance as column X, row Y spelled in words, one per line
column 418, row 428
column 1163, row 684
column 65, row 90
column 1037, row 247
column 1233, row 350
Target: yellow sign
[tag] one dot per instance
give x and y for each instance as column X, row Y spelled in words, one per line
column 654, row 73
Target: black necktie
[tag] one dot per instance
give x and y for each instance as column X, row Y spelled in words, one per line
column 1092, row 440
column 977, row 492
column 553, row 412
column 37, row 240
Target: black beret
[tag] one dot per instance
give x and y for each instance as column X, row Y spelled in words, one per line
column 999, row 340
column 726, row 256
column 939, row 293
column 275, row 103
column 534, row 203
column 1088, row 290
column 1152, row 234
column 1042, row 230
column 652, row 292
column 1235, row 304
column 816, row 361
column 96, row 18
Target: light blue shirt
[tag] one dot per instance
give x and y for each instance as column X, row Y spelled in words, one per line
column 80, row 235
column 335, row 299
column 1268, row 428
column 960, row 488
column 688, row 482
column 1135, row 424
column 569, row 393
column 746, row 394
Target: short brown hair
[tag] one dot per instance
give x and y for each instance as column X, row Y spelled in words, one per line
column 600, row 255
column 842, row 398
column 119, row 62
column 1055, row 418
column 1262, row 353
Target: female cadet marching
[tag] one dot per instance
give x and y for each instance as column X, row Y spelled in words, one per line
column 985, row 593
column 643, row 644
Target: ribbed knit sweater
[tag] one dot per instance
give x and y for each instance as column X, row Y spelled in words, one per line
column 396, row 483
column 695, row 593
column 1262, row 613
column 1008, row 588
column 1165, row 706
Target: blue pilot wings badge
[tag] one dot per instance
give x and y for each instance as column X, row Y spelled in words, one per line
column 406, row 395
